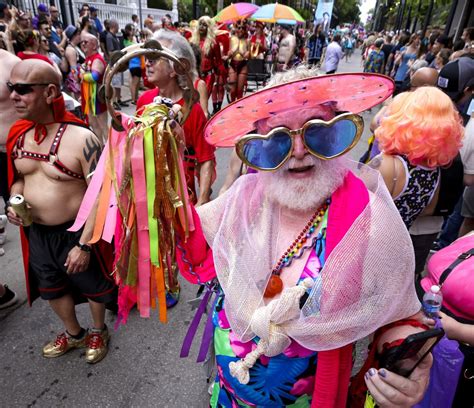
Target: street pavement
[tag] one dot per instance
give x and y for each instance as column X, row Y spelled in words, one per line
column 142, row 369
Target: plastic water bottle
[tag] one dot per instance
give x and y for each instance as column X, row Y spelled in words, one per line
column 432, row 301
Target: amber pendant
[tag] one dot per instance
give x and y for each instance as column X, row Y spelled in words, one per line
column 274, row 286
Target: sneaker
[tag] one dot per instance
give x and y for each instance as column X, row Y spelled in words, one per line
column 117, row 106
column 124, row 104
column 8, row 299
column 3, row 232
column 97, row 345
column 62, row 344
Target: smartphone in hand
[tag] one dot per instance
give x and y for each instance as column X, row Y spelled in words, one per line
column 403, row 359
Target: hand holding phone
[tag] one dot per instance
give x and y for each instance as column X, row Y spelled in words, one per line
column 387, row 389
column 404, row 358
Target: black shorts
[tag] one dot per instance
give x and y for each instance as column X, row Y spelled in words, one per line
column 4, row 176
column 136, row 72
column 49, row 247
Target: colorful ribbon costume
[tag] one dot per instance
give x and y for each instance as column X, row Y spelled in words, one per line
column 142, row 198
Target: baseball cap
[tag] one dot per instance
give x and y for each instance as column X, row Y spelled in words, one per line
column 92, row 9
column 43, row 8
column 456, row 76
column 70, row 31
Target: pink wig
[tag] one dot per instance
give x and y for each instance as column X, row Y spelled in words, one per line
column 422, row 125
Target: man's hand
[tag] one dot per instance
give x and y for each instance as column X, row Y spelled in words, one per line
column 394, row 391
column 13, row 217
column 77, row 260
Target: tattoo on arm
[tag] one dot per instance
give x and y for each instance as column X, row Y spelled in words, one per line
column 92, row 151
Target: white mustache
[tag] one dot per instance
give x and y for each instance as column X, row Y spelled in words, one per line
column 307, row 160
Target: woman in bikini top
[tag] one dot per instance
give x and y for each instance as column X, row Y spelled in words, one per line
column 238, row 54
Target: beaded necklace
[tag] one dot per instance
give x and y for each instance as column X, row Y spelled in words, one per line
column 296, row 250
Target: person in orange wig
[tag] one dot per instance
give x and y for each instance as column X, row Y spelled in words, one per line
column 420, row 134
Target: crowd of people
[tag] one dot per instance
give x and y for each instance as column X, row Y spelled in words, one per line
column 292, row 298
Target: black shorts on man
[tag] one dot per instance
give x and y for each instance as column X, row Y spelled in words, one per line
column 49, row 247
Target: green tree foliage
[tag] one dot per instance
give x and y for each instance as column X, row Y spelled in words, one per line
column 418, row 12
column 346, row 11
column 185, row 10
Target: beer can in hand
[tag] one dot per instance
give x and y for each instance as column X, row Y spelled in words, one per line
column 18, row 204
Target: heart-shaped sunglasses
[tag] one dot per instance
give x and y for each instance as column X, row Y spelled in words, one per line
column 324, row 140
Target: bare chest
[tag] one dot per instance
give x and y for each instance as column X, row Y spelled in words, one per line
column 53, row 158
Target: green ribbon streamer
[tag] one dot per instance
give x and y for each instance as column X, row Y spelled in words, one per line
column 93, row 93
column 150, row 194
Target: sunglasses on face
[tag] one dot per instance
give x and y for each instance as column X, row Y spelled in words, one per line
column 324, row 140
column 152, row 61
column 22, row 89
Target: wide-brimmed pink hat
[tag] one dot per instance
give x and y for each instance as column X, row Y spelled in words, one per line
column 350, row 93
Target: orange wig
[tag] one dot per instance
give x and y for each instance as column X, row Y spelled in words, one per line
column 422, row 125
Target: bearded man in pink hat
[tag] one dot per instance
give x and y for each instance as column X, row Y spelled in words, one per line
column 300, row 255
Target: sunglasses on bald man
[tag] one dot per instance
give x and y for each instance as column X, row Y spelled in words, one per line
column 22, row 89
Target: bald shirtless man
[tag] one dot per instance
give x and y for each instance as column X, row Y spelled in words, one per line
column 52, row 153
column 286, row 49
column 92, row 78
column 424, row 77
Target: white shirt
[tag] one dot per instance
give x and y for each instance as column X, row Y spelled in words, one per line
column 467, row 149
column 333, row 55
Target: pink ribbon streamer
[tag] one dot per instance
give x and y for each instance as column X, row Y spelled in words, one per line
column 139, row 184
column 92, row 192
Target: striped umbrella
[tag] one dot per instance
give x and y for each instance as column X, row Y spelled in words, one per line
column 236, row 12
column 277, row 13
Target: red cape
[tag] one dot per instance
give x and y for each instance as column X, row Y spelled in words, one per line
column 19, row 128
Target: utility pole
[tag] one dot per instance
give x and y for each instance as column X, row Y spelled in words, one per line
column 415, row 23
column 220, row 5
column 140, row 14
column 428, row 17
column 407, row 27
column 450, row 20
column 195, row 9
column 374, row 17
column 71, row 12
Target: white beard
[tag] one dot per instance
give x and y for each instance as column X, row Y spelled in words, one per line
column 308, row 193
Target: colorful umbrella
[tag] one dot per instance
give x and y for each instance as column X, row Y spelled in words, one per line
column 277, row 13
column 236, row 12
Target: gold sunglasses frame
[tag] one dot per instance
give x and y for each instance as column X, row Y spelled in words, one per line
column 354, row 118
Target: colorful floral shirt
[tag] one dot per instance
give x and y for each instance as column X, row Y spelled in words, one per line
column 286, row 380
column 375, row 61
